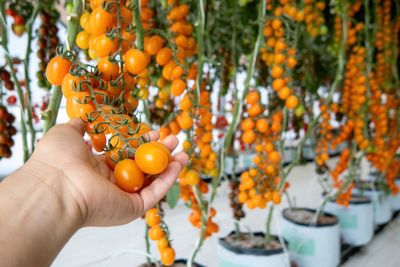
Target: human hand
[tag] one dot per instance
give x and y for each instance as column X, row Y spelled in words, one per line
column 86, row 180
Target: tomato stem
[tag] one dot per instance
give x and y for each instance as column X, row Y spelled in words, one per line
column 72, row 30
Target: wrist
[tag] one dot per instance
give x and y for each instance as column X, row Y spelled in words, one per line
column 38, row 212
column 55, row 183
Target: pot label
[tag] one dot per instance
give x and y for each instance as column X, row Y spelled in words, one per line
column 347, row 220
column 298, row 243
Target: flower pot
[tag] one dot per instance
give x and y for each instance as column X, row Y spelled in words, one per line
column 177, row 263
column 245, row 161
column 356, row 221
column 309, row 150
column 289, row 154
column 311, row 245
column 232, row 254
column 394, row 200
column 380, row 202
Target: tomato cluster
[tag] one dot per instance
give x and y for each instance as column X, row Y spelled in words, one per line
column 6, row 132
column 47, row 42
column 5, row 79
column 20, row 11
column 105, row 97
column 261, row 184
column 281, row 59
column 158, row 231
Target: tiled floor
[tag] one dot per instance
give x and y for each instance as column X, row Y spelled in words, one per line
column 124, row 245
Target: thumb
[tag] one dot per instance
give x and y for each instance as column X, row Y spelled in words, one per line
column 78, row 125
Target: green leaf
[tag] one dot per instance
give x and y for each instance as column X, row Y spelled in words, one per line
column 173, row 196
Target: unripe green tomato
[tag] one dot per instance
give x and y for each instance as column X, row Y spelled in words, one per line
column 323, row 30
column 242, row 3
column 69, row 7
column 299, row 111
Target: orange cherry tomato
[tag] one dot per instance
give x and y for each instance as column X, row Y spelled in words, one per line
column 156, row 232
column 56, row 70
column 167, row 256
column 105, row 46
column 128, row 176
column 80, row 106
column 152, row 217
column 109, row 69
column 70, row 83
column 153, row 44
column 98, row 141
column 135, row 61
column 100, row 21
column 164, row 56
column 151, row 158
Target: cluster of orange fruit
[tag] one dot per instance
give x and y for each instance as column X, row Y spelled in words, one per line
column 384, row 114
column 340, row 167
column 352, row 30
column 260, row 184
column 325, row 134
column 281, row 59
column 158, row 232
column 206, row 158
column 384, row 42
column 311, row 13
column 187, row 179
column 177, row 71
column 195, row 219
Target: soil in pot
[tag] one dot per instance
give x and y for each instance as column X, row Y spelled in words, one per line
column 178, row 263
column 305, row 216
column 356, row 199
column 248, row 241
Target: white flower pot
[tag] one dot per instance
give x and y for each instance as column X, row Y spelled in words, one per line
column 230, row 256
column 245, row 161
column 380, row 202
column 394, row 200
column 312, row 245
column 289, row 155
column 309, row 152
column 356, row 221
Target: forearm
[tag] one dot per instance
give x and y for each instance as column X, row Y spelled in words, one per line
column 36, row 216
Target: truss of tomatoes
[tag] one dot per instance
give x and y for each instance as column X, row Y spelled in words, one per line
column 111, row 130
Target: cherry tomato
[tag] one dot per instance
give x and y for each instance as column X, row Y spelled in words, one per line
column 70, row 83
column 105, row 46
column 19, row 20
column 109, row 69
column 12, row 99
column 153, row 44
column 156, row 232
column 167, row 256
column 98, row 141
column 152, row 159
column 56, row 70
column 82, row 40
column 80, row 106
column 100, row 21
column 135, row 61
column 128, row 176
column 152, row 217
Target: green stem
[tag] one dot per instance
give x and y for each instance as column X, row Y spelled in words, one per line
column 51, row 113
column 146, row 238
column 204, row 216
column 28, row 52
column 338, row 80
column 138, row 25
column 268, row 235
column 238, row 108
column 4, row 44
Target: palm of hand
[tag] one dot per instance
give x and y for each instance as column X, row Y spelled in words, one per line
column 87, row 177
